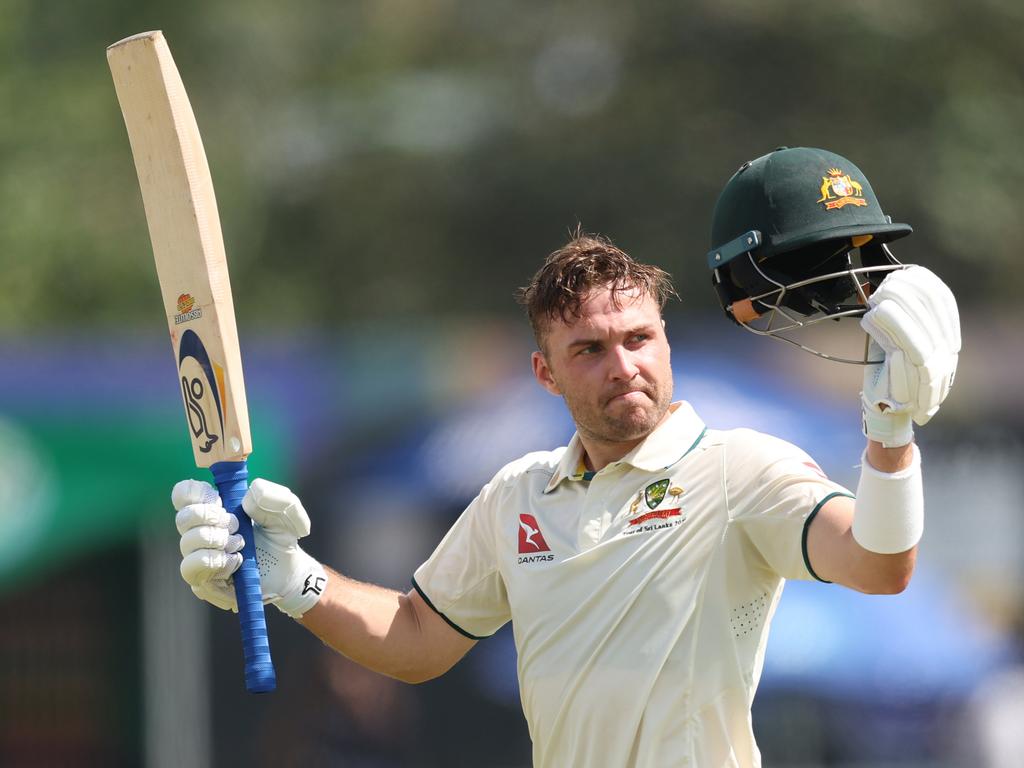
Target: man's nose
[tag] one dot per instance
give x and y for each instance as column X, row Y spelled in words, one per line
column 623, row 366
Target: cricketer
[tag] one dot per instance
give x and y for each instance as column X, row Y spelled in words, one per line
column 640, row 565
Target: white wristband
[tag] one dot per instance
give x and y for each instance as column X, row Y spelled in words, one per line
column 888, row 514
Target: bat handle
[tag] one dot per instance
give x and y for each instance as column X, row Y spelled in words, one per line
column 231, row 478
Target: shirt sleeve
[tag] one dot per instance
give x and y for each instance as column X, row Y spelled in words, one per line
column 461, row 580
column 775, row 489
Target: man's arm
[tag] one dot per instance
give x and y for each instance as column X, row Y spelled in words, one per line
column 834, row 553
column 396, row 634
column 914, row 328
column 389, row 632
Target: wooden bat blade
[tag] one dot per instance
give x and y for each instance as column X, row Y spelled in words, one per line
column 188, row 247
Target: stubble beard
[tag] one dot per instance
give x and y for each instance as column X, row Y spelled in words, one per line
column 634, row 423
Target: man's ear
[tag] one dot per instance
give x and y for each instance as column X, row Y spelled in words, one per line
column 542, row 372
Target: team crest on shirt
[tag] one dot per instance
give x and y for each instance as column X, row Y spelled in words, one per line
column 654, row 493
column 657, row 518
column 675, row 492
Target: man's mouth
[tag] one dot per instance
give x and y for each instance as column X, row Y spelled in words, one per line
column 631, row 395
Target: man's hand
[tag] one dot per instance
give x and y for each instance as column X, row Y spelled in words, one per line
column 210, row 547
column 914, row 325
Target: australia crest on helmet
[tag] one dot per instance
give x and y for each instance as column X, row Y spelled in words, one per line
column 839, row 189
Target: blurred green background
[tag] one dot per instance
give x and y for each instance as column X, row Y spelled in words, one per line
column 387, row 173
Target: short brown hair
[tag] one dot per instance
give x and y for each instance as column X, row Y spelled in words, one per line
column 561, row 286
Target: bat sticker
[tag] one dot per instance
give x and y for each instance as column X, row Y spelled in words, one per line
column 198, row 387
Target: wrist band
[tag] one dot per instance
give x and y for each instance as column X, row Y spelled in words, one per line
column 888, row 515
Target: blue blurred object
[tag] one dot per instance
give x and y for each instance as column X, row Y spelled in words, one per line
column 924, row 643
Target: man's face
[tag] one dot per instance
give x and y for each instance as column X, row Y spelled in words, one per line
column 612, row 366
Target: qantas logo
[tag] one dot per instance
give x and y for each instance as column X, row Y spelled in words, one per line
column 530, row 538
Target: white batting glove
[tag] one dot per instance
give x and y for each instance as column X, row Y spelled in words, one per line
column 914, row 325
column 211, row 549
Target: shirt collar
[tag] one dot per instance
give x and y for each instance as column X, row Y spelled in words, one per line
column 673, row 439
column 569, row 466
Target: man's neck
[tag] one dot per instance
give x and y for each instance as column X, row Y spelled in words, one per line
column 598, row 454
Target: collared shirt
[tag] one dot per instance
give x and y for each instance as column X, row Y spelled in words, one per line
column 640, row 598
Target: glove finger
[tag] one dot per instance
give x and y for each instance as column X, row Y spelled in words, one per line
column 193, row 492
column 202, row 515
column 934, row 307
column 945, row 387
column 941, row 303
column 875, row 388
column 206, row 565
column 208, row 537
column 879, row 336
column 902, row 325
column 906, row 331
column 888, row 289
column 928, row 398
column 936, row 381
column 940, row 373
column 276, row 508
column 875, row 353
column 910, row 288
column 911, row 279
column 218, row 593
column 953, row 319
column 929, row 315
column 881, row 292
column 234, row 543
column 902, row 377
column 926, row 296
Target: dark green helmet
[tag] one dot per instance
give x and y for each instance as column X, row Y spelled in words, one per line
column 798, row 236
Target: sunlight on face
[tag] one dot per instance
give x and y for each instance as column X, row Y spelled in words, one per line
column 612, row 366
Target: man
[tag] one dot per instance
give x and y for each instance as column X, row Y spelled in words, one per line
column 640, row 565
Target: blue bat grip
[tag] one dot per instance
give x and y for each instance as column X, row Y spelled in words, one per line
column 231, row 478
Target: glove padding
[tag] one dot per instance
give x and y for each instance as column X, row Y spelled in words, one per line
column 914, row 325
column 211, row 549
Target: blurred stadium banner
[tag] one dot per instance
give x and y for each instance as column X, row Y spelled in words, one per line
column 91, row 441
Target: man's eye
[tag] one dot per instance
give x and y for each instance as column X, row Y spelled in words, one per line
column 590, row 349
column 640, row 337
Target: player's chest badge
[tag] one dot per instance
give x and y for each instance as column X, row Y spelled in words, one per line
column 654, row 493
column 648, row 511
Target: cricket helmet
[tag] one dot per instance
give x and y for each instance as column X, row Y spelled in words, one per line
column 798, row 237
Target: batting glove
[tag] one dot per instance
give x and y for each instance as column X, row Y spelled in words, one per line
column 211, row 547
column 914, row 327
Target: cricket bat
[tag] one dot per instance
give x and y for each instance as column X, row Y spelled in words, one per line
column 184, row 227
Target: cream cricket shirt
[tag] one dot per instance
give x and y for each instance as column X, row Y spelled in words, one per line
column 640, row 598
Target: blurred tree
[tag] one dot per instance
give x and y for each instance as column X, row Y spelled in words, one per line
column 387, row 161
